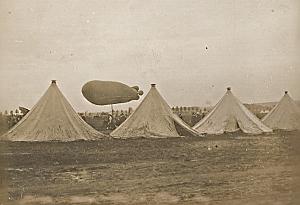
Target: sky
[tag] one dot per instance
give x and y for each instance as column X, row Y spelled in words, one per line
column 192, row 49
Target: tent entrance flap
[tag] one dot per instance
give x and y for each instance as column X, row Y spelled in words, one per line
column 232, row 125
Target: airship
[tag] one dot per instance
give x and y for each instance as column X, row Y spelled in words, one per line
column 109, row 92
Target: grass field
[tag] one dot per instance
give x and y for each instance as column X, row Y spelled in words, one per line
column 229, row 169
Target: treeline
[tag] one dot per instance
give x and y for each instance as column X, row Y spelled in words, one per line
column 9, row 119
column 107, row 121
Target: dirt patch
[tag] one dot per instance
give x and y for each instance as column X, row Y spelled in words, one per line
column 239, row 170
column 32, row 200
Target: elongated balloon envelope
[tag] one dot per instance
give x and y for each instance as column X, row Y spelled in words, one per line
column 109, row 92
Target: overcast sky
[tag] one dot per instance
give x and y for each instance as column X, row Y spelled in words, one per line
column 193, row 50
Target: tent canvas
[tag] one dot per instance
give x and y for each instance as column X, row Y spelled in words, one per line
column 285, row 115
column 52, row 118
column 230, row 115
column 153, row 118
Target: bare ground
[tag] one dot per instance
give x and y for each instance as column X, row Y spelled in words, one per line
column 229, row 169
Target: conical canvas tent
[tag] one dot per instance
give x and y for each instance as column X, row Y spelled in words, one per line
column 52, row 118
column 153, row 118
column 285, row 115
column 230, row 115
